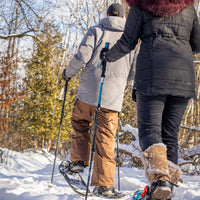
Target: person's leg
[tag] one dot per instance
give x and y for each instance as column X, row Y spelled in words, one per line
column 104, row 163
column 172, row 116
column 81, row 122
column 149, row 116
column 153, row 156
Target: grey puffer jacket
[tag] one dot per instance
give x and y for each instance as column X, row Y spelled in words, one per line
column 170, row 32
column 87, row 58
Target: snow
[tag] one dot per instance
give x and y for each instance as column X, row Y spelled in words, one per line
column 27, row 176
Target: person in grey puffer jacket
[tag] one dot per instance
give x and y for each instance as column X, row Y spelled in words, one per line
column 164, row 81
column 117, row 73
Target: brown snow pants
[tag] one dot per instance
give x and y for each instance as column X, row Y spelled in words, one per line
column 104, row 163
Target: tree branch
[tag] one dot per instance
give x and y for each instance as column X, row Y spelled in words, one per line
column 191, row 128
column 19, row 35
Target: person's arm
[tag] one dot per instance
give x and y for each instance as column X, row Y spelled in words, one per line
column 195, row 35
column 129, row 38
column 133, row 65
column 83, row 55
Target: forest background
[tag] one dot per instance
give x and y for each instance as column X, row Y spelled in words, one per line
column 38, row 39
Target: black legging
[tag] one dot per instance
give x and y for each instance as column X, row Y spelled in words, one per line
column 159, row 118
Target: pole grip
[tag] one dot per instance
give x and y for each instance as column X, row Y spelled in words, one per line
column 104, row 62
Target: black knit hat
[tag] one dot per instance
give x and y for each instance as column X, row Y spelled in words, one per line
column 116, row 9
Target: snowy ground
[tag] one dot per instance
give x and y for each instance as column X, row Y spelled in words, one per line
column 27, row 176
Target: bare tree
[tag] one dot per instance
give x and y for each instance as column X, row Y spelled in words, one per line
column 190, row 128
column 18, row 18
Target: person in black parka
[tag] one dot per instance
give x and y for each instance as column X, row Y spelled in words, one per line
column 164, row 81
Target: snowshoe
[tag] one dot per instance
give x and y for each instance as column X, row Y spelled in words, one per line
column 108, row 192
column 74, row 179
column 145, row 195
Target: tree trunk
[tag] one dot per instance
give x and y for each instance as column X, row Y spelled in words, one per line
column 36, row 145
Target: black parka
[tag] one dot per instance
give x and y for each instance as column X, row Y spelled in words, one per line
column 165, row 61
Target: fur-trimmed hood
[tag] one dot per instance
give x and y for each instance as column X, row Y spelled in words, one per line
column 161, row 8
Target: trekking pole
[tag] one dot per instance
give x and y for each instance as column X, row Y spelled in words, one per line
column 120, row 125
column 96, row 120
column 118, row 158
column 62, row 114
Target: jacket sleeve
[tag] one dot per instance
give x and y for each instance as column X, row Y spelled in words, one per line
column 133, row 65
column 129, row 38
column 195, row 35
column 83, row 55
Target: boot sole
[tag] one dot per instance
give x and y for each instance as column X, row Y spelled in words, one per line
column 161, row 193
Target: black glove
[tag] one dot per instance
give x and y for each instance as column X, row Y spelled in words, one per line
column 103, row 54
column 64, row 76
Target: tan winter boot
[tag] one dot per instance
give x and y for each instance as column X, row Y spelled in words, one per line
column 174, row 176
column 174, row 173
column 155, row 163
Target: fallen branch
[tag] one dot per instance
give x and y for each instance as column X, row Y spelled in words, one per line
column 191, row 128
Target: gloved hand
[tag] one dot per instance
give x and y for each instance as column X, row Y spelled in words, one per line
column 64, row 77
column 103, row 54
